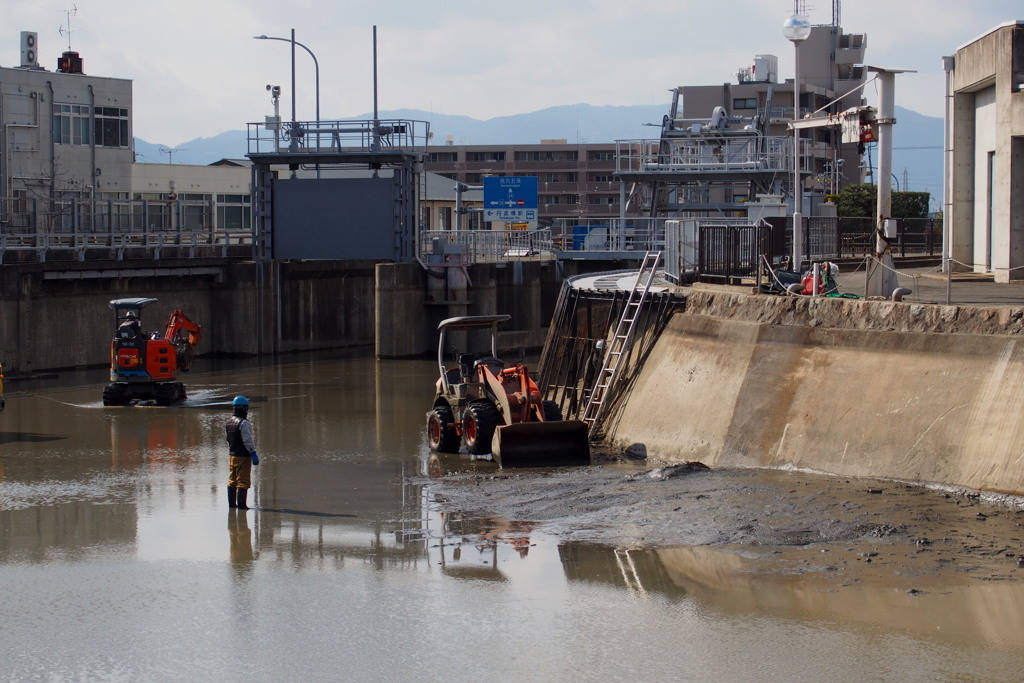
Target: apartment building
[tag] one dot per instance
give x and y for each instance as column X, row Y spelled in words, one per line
column 575, row 180
column 596, row 180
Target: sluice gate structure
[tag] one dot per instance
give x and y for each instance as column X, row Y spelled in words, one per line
column 588, row 364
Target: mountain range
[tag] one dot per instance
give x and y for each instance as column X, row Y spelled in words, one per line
column 917, row 146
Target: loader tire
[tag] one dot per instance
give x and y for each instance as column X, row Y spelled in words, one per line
column 479, row 421
column 551, row 412
column 440, row 433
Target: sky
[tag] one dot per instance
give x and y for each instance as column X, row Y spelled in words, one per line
column 197, row 71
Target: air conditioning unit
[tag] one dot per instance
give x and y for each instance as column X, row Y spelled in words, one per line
column 29, row 56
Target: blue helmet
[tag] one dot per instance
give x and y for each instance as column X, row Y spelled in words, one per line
column 240, row 401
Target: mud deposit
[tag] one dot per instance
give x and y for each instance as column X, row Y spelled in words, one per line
column 775, row 522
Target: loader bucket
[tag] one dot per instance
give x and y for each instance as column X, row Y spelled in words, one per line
column 562, row 443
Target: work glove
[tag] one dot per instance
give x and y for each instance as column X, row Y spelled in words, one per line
column 255, row 458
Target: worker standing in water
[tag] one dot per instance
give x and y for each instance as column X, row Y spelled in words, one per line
column 242, row 449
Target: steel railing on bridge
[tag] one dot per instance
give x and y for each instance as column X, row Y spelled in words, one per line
column 80, row 229
column 469, row 247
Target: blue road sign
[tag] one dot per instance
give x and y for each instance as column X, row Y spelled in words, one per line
column 511, row 198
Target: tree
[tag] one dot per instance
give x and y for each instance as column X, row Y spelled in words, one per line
column 856, row 201
column 861, row 201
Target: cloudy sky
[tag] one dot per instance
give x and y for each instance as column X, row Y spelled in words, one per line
column 197, row 70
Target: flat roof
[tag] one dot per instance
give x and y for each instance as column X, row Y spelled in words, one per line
column 1005, row 24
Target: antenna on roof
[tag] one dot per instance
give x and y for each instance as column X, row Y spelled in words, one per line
column 171, row 152
column 70, row 13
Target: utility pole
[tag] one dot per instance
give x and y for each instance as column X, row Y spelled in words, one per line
column 881, row 273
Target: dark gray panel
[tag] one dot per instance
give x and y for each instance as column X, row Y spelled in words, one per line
column 350, row 218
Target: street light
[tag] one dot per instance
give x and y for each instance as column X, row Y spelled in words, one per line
column 796, row 29
column 316, row 68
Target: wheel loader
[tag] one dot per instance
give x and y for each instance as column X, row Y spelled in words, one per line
column 144, row 365
column 486, row 407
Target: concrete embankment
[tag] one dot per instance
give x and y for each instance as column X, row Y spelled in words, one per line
column 917, row 392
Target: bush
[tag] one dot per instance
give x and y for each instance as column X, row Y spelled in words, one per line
column 859, row 201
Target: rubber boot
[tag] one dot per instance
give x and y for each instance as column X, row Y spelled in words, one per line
column 231, row 496
column 242, row 493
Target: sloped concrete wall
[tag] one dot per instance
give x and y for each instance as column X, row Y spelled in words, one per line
column 857, row 388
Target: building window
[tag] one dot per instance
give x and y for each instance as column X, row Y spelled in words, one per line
column 71, row 124
column 601, row 178
column 112, row 127
column 485, row 156
column 233, row 212
column 744, row 103
column 443, row 157
column 601, row 156
column 547, row 156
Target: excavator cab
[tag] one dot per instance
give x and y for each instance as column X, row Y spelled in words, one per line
column 490, row 408
column 144, row 365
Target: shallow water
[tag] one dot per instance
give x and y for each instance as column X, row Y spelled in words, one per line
column 121, row 561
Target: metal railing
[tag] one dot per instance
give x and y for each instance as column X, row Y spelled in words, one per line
column 304, row 137
column 80, row 229
column 469, row 247
column 837, row 238
column 579, row 236
column 732, row 251
column 704, row 155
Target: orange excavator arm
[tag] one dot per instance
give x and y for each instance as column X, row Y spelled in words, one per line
column 184, row 333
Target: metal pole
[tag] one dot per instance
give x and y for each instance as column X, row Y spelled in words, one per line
column 293, row 85
column 316, row 70
column 798, row 198
column 949, row 65
column 376, row 122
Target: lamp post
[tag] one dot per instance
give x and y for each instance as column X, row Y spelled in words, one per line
column 796, row 29
column 316, row 69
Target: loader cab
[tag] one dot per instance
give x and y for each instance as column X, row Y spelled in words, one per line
column 465, row 372
column 469, row 362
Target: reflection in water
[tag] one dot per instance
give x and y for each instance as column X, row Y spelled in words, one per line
column 240, row 537
column 112, row 528
column 641, row 572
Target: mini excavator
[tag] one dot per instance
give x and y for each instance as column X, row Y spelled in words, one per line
column 144, row 365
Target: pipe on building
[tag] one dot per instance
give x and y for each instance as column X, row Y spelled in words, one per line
column 53, row 151
column 92, row 143
column 949, row 66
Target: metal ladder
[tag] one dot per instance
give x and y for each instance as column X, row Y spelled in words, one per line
column 622, row 339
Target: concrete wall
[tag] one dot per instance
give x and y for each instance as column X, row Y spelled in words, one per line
column 988, row 119
column 55, row 315
column 407, row 322
column 857, row 388
column 182, row 179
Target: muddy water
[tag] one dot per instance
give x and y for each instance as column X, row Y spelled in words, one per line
column 119, row 560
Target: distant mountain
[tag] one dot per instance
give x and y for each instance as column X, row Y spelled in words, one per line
column 917, row 148
column 201, row 151
column 573, row 123
column 917, row 157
